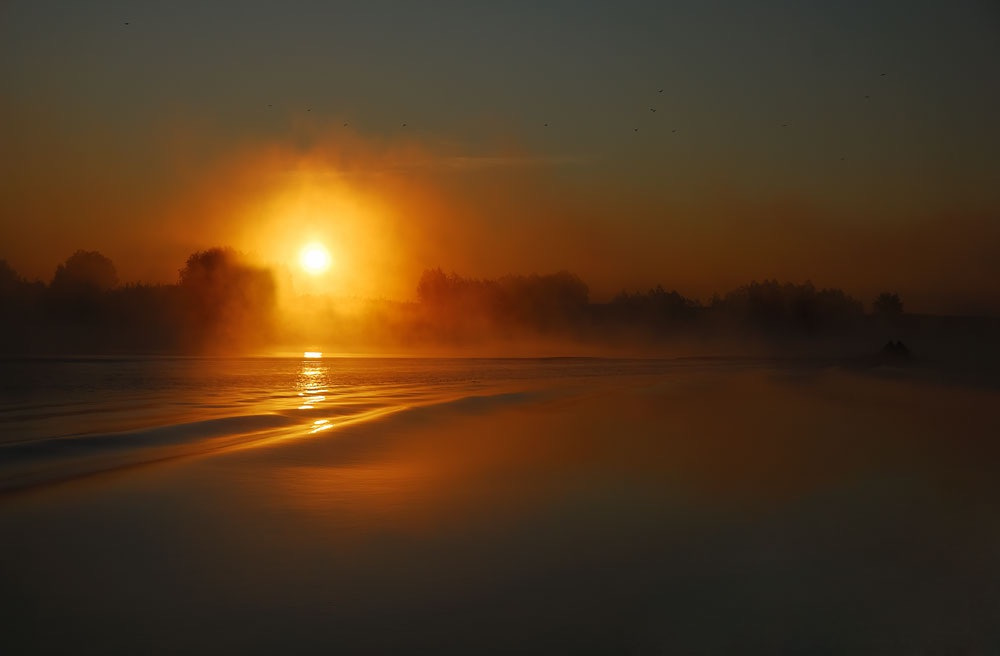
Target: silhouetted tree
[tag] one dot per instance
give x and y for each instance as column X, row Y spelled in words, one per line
column 10, row 281
column 436, row 287
column 543, row 301
column 229, row 302
column 773, row 306
column 539, row 301
column 888, row 304
column 85, row 272
column 19, row 299
column 12, row 318
column 657, row 309
column 79, row 287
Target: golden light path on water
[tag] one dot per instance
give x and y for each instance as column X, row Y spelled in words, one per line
column 314, row 387
column 312, row 381
column 324, row 404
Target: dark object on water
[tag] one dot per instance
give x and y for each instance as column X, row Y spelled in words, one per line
column 893, row 354
column 895, row 351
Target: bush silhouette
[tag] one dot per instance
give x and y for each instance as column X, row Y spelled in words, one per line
column 888, row 304
column 226, row 298
column 85, row 272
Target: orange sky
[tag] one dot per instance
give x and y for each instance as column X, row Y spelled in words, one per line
column 389, row 208
column 816, row 143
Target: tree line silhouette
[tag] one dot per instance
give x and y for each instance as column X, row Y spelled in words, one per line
column 219, row 299
column 223, row 303
column 561, row 301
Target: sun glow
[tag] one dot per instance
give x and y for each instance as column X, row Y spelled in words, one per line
column 314, row 258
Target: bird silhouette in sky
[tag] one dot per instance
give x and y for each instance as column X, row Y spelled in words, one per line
column 634, row 129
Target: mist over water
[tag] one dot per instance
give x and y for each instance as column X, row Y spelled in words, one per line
column 558, row 505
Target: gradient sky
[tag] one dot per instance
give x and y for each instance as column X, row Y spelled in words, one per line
column 224, row 124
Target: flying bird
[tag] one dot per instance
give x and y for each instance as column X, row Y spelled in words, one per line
column 660, row 91
column 635, row 129
column 652, row 109
column 404, row 125
column 881, row 74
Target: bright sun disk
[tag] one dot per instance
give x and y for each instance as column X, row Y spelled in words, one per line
column 314, row 258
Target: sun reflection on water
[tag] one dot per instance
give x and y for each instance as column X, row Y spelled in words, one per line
column 312, row 384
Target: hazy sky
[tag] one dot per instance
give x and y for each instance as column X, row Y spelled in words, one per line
column 851, row 143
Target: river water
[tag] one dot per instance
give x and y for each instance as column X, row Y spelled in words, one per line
column 362, row 505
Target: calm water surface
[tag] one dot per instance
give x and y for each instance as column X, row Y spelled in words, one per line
column 57, row 410
column 495, row 506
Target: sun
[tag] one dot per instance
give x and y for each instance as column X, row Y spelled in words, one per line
column 314, row 258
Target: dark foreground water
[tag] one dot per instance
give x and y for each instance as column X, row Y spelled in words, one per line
column 495, row 506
